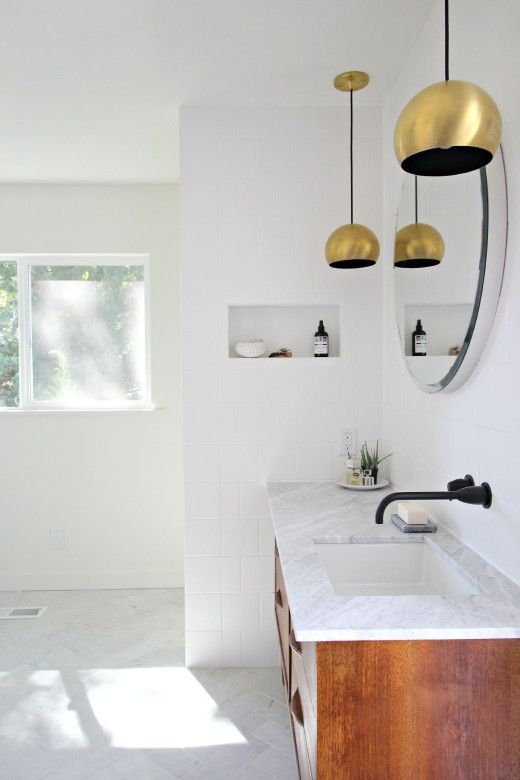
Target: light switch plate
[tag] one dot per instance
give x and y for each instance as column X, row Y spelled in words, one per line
column 56, row 539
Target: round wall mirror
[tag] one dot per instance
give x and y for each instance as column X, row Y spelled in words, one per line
column 446, row 291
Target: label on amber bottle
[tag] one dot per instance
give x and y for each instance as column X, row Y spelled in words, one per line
column 420, row 342
column 321, row 346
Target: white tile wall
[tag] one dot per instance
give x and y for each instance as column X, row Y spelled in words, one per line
column 239, row 462
column 203, row 575
column 476, row 428
column 202, row 537
column 202, row 500
column 203, row 612
column 239, row 536
column 241, row 611
column 261, row 190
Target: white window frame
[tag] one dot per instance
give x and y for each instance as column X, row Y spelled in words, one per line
column 24, row 263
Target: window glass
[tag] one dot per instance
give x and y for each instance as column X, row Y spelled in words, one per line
column 9, row 347
column 88, row 334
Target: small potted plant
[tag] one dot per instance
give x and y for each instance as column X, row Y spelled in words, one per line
column 370, row 460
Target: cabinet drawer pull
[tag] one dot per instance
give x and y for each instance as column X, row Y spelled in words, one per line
column 278, row 598
column 295, row 645
column 296, row 708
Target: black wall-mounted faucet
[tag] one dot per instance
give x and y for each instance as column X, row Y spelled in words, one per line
column 463, row 490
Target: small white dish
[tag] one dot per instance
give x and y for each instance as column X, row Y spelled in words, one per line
column 382, row 484
column 253, row 348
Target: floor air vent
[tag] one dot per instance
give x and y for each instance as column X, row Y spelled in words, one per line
column 9, row 613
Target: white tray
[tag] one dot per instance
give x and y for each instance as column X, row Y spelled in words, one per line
column 381, row 484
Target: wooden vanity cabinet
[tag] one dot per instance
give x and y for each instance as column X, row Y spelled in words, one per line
column 402, row 710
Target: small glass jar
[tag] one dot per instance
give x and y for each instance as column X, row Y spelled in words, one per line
column 354, row 473
column 368, row 479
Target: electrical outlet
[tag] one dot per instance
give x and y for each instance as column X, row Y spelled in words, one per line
column 347, row 441
column 56, row 539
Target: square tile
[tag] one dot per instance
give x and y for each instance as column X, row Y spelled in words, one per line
column 259, row 648
column 203, row 575
column 203, row 648
column 202, row 537
column 201, row 463
column 203, row 612
column 239, row 387
column 201, row 424
column 202, row 500
column 241, row 610
column 253, row 500
column 266, row 536
column 230, row 499
column 239, row 536
column 314, row 461
column 257, row 573
column 231, row 648
column 295, row 423
column 257, row 425
column 239, row 463
column 231, row 574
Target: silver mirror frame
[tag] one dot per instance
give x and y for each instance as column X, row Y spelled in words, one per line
column 491, row 273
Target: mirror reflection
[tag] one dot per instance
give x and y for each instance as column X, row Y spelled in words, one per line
column 439, row 265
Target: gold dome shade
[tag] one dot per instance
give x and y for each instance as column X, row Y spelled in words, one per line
column 418, row 245
column 448, row 128
column 352, row 246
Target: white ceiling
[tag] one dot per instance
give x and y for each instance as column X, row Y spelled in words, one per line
column 90, row 89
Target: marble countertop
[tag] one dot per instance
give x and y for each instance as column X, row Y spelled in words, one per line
column 308, row 512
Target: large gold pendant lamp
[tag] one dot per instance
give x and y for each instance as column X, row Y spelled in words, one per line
column 448, row 128
column 353, row 245
column 418, row 245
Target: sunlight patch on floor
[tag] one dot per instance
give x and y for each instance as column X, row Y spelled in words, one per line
column 163, row 707
column 143, row 708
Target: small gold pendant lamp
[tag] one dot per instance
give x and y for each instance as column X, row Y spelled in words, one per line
column 418, row 245
column 353, row 245
column 448, row 128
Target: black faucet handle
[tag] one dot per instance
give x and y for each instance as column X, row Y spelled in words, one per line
column 476, row 494
column 458, row 484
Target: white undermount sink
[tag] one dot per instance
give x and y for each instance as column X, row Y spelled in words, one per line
column 392, row 569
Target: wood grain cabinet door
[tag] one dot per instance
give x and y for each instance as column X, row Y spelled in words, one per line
column 419, row 710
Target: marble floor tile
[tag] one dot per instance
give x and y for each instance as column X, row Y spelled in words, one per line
column 97, row 688
column 276, row 764
column 276, row 735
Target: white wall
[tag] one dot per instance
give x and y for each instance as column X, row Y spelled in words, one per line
column 261, row 190
column 477, row 428
column 111, row 480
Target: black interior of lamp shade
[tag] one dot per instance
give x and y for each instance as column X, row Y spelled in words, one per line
column 352, row 263
column 424, row 262
column 447, row 162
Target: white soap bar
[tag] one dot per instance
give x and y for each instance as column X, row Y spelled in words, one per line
column 412, row 513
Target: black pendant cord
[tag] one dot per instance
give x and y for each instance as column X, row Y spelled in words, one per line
column 446, row 40
column 351, row 163
column 416, row 200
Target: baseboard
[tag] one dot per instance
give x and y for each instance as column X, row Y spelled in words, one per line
column 92, row 580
